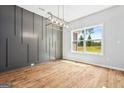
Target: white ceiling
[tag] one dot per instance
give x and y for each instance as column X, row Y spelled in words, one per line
column 71, row 12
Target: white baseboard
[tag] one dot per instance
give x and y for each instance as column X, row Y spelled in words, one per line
column 110, row 67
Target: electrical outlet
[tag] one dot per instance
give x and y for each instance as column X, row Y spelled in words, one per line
column 32, row 64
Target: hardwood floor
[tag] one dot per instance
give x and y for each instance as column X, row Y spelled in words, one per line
column 63, row 74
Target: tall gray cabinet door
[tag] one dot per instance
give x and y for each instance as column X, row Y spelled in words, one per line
column 6, row 31
column 6, row 21
column 18, row 23
column 16, row 50
column 27, row 27
column 58, row 45
column 16, row 54
column 41, row 41
column 3, row 61
column 28, row 36
column 45, row 41
column 49, row 42
column 33, row 43
column 61, row 44
column 38, row 32
column 0, row 57
column 53, row 41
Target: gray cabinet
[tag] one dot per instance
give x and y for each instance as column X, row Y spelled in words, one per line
column 29, row 36
column 58, row 44
column 6, row 21
column 3, row 59
column 25, row 39
column 6, row 32
column 16, row 54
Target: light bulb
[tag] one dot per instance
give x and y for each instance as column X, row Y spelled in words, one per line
column 56, row 22
column 64, row 25
column 61, row 23
column 52, row 20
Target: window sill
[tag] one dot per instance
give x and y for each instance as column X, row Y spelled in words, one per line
column 87, row 53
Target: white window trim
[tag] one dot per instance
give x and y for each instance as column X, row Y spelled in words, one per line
column 102, row 41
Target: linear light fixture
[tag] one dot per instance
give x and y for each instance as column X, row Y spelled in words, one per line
column 56, row 20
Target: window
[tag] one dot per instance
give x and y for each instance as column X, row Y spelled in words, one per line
column 88, row 40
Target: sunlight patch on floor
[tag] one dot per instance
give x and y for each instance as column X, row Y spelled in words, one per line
column 74, row 63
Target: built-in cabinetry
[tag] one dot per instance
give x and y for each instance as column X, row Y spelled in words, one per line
column 25, row 38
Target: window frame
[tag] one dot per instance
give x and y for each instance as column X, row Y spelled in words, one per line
column 85, row 52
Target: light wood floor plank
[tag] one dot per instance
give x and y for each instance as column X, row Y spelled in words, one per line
column 63, row 74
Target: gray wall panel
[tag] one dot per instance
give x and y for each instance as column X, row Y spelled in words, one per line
column 6, row 21
column 37, row 32
column 25, row 38
column 3, row 54
column 17, row 54
column 27, row 26
column 58, row 45
column 33, row 51
column 18, row 23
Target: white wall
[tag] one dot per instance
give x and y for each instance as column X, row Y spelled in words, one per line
column 113, row 21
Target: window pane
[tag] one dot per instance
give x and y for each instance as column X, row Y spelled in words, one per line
column 74, row 45
column 94, row 33
column 93, row 46
column 80, row 47
column 80, row 35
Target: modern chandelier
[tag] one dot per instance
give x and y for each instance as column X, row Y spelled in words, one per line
column 55, row 19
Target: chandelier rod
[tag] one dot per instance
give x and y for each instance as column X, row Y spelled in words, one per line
column 58, row 10
column 49, row 13
column 63, row 11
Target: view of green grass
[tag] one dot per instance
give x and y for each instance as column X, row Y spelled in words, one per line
column 94, row 49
